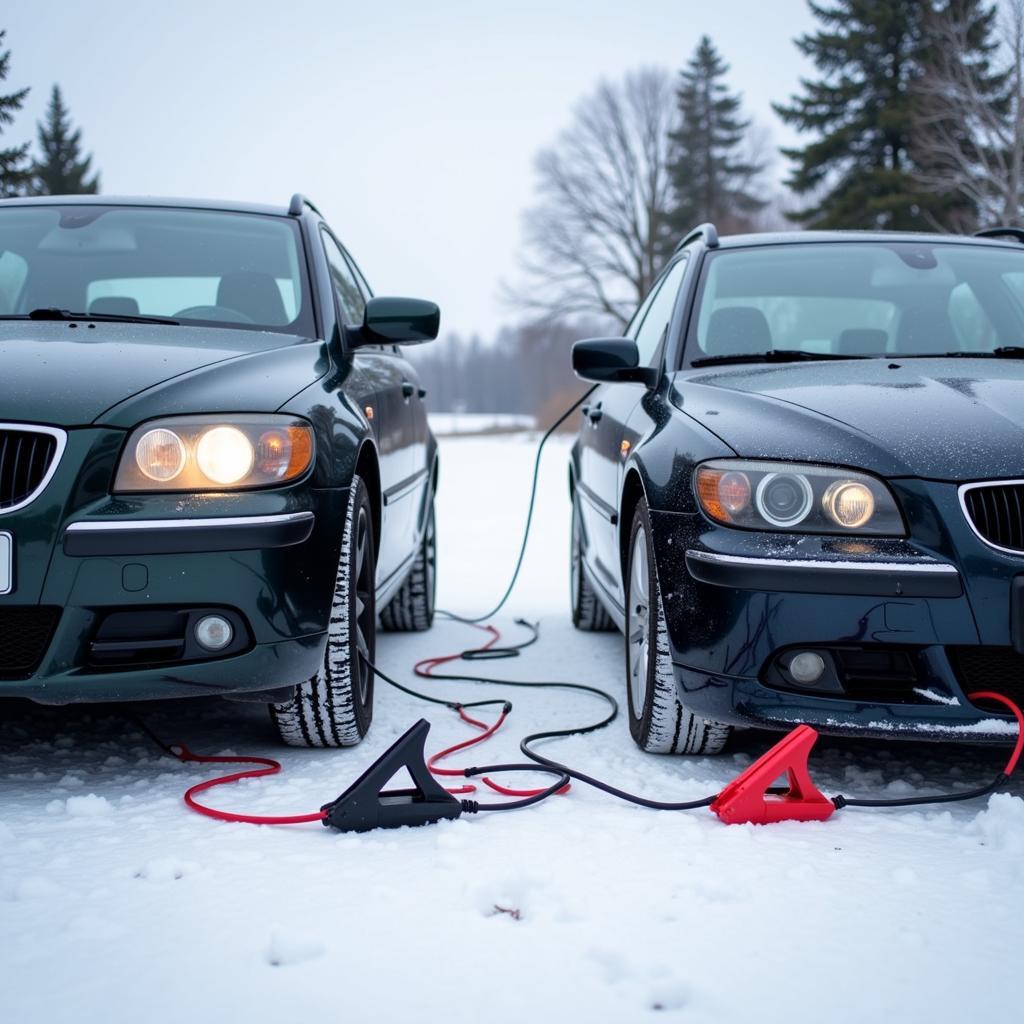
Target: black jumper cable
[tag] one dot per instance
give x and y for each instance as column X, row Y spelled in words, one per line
column 366, row 805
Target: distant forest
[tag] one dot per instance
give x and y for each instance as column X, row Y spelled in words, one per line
column 524, row 370
column 912, row 119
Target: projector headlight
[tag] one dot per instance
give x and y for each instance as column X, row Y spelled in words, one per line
column 209, row 453
column 791, row 497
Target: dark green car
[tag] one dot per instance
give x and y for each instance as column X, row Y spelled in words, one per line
column 215, row 464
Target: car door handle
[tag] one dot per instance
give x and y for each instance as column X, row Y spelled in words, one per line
column 408, row 390
column 595, row 412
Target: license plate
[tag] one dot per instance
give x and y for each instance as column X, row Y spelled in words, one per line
column 6, row 563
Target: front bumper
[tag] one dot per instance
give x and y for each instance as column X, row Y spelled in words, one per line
column 269, row 557
column 734, row 600
column 86, row 539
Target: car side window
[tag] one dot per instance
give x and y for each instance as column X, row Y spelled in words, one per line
column 351, row 304
column 638, row 317
column 659, row 313
column 367, row 290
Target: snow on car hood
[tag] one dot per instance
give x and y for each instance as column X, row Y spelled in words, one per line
column 940, row 419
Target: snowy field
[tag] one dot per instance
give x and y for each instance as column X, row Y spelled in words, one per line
column 118, row 905
column 448, row 423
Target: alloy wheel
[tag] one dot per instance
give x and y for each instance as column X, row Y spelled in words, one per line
column 575, row 555
column 364, row 589
column 639, row 614
column 430, row 552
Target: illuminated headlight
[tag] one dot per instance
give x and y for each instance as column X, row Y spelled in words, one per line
column 225, row 455
column 206, row 453
column 794, row 497
column 160, row 455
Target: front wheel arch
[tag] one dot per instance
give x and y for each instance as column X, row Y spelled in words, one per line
column 368, row 470
column 632, row 491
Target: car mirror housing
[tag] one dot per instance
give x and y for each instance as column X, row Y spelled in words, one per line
column 400, row 321
column 610, row 361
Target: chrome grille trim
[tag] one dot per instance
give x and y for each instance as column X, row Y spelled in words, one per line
column 61, row 440
column 965, row 489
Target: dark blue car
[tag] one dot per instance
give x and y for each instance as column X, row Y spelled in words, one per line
column 798, row 488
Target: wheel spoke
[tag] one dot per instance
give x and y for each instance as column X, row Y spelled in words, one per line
column 361, row 644
column 638, row 614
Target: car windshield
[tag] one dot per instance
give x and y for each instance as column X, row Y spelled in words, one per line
column 858, row 299
column 209, row 267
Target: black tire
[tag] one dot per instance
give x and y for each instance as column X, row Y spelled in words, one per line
column 411, row 610
column 658, row 722
column 335, row 707
column 588, row 613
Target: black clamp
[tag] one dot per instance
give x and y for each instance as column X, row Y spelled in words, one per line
column 366, row 805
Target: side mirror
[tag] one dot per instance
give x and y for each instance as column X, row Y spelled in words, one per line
column 611, row 361
column 400, row 321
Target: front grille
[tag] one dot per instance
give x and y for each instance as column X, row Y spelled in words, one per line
column 997, row 512
column 25, row 634
column 25, row 457
column 990, row 668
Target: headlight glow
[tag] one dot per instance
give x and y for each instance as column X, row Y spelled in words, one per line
column 215, row 453
column 849, row 503
column 225, row 455
column 160, row 454
column 793, row 497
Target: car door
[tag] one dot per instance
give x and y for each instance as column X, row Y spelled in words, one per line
column 405, row 500
column 385, row 405
column 604, row 430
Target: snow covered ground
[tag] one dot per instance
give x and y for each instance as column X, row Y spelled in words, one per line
column 118, row 905
column 446, row 423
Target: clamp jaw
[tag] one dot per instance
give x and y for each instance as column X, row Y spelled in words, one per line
column 366, row 805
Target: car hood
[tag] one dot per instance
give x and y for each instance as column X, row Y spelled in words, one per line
column 940, row 419
column 119, row 374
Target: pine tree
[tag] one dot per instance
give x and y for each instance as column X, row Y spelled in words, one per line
column 14, row 170
column 858, row 170
column 62, row 170
column 712, row 179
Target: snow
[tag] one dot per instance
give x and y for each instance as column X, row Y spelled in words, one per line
column 117, row 904
column 445, row 423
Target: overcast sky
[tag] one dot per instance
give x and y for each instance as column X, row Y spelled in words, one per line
column 412, row 125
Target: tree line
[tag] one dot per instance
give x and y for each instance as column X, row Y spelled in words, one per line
column 913, row 120
column 57, row 166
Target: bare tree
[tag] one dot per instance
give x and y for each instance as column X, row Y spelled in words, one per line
column 594, row 237
column 970, row 139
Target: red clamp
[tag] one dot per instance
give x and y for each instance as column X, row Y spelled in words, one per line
column 747, row 797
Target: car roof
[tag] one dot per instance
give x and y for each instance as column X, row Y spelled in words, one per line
column 148, row 201
column 885, row 237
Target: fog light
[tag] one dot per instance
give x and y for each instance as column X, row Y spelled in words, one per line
column 213, row 632
column 806, row 668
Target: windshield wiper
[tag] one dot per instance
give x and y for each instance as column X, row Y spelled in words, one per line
column 1002, row 352
column 777, row 355
column 51, row 313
